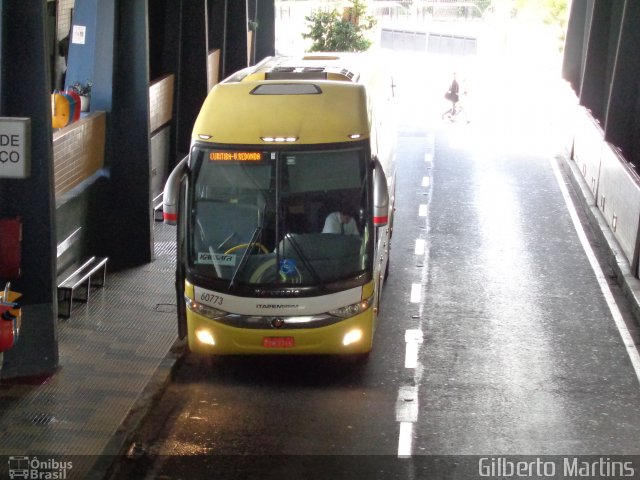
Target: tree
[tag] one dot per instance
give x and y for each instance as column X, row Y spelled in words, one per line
column 332, row 32
column 553, row 13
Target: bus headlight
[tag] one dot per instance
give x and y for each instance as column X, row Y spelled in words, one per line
column 352, row 310
column 204, row 336
column 204, row 310
column 353, row 336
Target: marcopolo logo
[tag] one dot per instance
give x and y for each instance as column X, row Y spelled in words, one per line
column 40, row 469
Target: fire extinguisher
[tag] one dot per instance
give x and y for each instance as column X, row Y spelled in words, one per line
column 10, row 318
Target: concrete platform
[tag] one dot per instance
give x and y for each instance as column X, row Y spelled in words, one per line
column 115, row 355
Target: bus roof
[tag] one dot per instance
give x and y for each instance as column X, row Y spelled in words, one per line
column 253, row 112
column 313, row 66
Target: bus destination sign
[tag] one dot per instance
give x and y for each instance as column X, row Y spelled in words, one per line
column 235, row 155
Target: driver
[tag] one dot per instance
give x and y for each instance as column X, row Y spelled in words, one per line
column 341, row 222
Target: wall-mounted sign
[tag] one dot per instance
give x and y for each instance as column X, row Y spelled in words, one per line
column 15, row 147
column 79, row 34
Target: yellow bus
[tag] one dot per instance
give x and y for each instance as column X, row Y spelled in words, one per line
column 284, row 209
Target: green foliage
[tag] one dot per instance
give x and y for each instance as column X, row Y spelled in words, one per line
column 556, row 12
column 553, row 12
column 321, row 29
column 333, row 32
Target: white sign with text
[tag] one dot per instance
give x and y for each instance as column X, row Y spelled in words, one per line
column 15, row 147
column 79, row 34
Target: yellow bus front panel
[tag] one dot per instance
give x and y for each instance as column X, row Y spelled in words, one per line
column 351, row 335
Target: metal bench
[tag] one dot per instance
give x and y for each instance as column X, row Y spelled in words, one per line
column 82, row 278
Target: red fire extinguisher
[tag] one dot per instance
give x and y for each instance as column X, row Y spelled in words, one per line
column 10, row 318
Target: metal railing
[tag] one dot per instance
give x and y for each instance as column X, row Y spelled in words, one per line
column 384, row 9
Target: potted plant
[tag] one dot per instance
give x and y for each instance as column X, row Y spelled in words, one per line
column 84, row 91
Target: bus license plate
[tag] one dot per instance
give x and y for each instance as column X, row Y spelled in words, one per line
column 278, row 342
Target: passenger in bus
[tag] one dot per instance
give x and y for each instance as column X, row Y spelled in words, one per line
column 340, row 222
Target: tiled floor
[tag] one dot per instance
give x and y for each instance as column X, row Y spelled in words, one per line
column 109, row 351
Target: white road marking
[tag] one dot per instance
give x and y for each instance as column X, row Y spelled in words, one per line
column 416, row 293
column 414, row 335
column 406, row 439
column 413, row 338
column 411, row 355
column 627, row 339
column 430, row 147
column 407, row 403
column 407, row 415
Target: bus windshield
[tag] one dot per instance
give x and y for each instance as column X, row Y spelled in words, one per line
column 280, row 217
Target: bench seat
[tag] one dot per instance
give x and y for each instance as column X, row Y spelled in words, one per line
column 92, row 272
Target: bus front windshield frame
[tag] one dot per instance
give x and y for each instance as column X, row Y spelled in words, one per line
column 274, row 218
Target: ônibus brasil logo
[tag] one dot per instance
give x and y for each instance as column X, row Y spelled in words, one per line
column 34, row 468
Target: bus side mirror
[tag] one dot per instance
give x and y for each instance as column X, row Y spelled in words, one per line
column 171, row 192
column 380, row 196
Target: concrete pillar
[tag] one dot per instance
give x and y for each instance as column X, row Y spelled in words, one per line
column 217, row 29
column 25, row 92
column 130, row 215
column 235, row 52
column 594, row 92
column 576, row 44
column 192, row 69
column 622, row 127
column 266, row 32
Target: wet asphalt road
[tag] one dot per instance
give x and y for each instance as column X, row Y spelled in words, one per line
column 494, row 337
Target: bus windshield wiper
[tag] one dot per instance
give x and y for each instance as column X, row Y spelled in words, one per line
column 245, row 256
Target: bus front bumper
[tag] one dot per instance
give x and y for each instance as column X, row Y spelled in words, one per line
column 351, row 335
